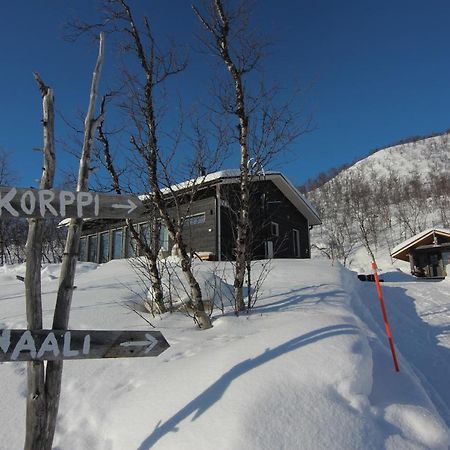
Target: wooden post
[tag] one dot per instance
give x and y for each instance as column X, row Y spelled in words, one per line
column 385, row 317
column 36, row 400
column 68, row 266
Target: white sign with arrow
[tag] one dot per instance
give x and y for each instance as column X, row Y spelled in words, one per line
column 15, row 202
column 40, row 345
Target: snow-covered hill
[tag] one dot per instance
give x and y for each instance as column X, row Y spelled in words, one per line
column 307, row 368
column 424, row 157
column 391, row 195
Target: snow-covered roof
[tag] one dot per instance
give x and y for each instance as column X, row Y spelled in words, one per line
column 400, row 250
column 282, row 183
column 204, row 179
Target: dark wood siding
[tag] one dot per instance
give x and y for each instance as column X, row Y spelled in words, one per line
column 268, row 204
column 199, row 235
column 274, row 219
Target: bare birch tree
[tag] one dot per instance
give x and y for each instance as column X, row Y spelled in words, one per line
column 148, row 249
column 265, row 127
column 156, row 66
column 218, row 26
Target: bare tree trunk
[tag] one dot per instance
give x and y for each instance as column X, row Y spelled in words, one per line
column 151, row 153
column 200, row 315
column 220, row 31
column 242, row 235
column 152, row 258
column 68, row 266
column 144, row 247
column 203, row 320
column 156, row 67
column 36, row 398
column 365, row 238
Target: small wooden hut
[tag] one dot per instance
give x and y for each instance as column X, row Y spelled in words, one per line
column 428, row 253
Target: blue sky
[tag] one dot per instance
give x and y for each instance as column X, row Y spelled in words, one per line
column 380, row 72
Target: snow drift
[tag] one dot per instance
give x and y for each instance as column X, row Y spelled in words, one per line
column 306, row 368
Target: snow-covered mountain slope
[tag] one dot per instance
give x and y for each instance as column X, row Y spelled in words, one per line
column 424, row 156
column 372, row 206
column 307, row 368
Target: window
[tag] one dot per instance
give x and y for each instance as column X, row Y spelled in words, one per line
column 82, row 250
column 104, row 248
column 195, row 219
column 274, row 229
column 116, row 252
column 145, row 232
column 92, row 248
column 163, row 238
column 130, row 245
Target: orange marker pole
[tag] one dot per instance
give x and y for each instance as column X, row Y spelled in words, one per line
column 385, row 317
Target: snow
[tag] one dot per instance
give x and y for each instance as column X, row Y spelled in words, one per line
column 421, row 157
column 308, row 367
column 215, row 290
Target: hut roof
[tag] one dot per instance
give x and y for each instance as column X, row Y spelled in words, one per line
column 401, row 251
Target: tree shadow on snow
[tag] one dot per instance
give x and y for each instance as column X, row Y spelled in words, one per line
column 213, row 393
column 418, row 343
column 307, row 295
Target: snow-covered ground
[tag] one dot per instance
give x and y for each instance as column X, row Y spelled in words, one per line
column 308, row 368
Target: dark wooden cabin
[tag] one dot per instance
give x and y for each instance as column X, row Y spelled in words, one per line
column 428, row 253
column 281, row 221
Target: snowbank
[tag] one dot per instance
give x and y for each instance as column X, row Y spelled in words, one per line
column 305, row 369
column 216, row 292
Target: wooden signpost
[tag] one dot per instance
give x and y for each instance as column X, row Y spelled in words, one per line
column 40, row 203
column 50, row 345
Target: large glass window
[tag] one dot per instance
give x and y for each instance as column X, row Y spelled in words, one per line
column 82, row 250
column 130, row 245
column 92, row 248
column 145, row 233
column 117, row 240
column 163, row 238
column 104, row 247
